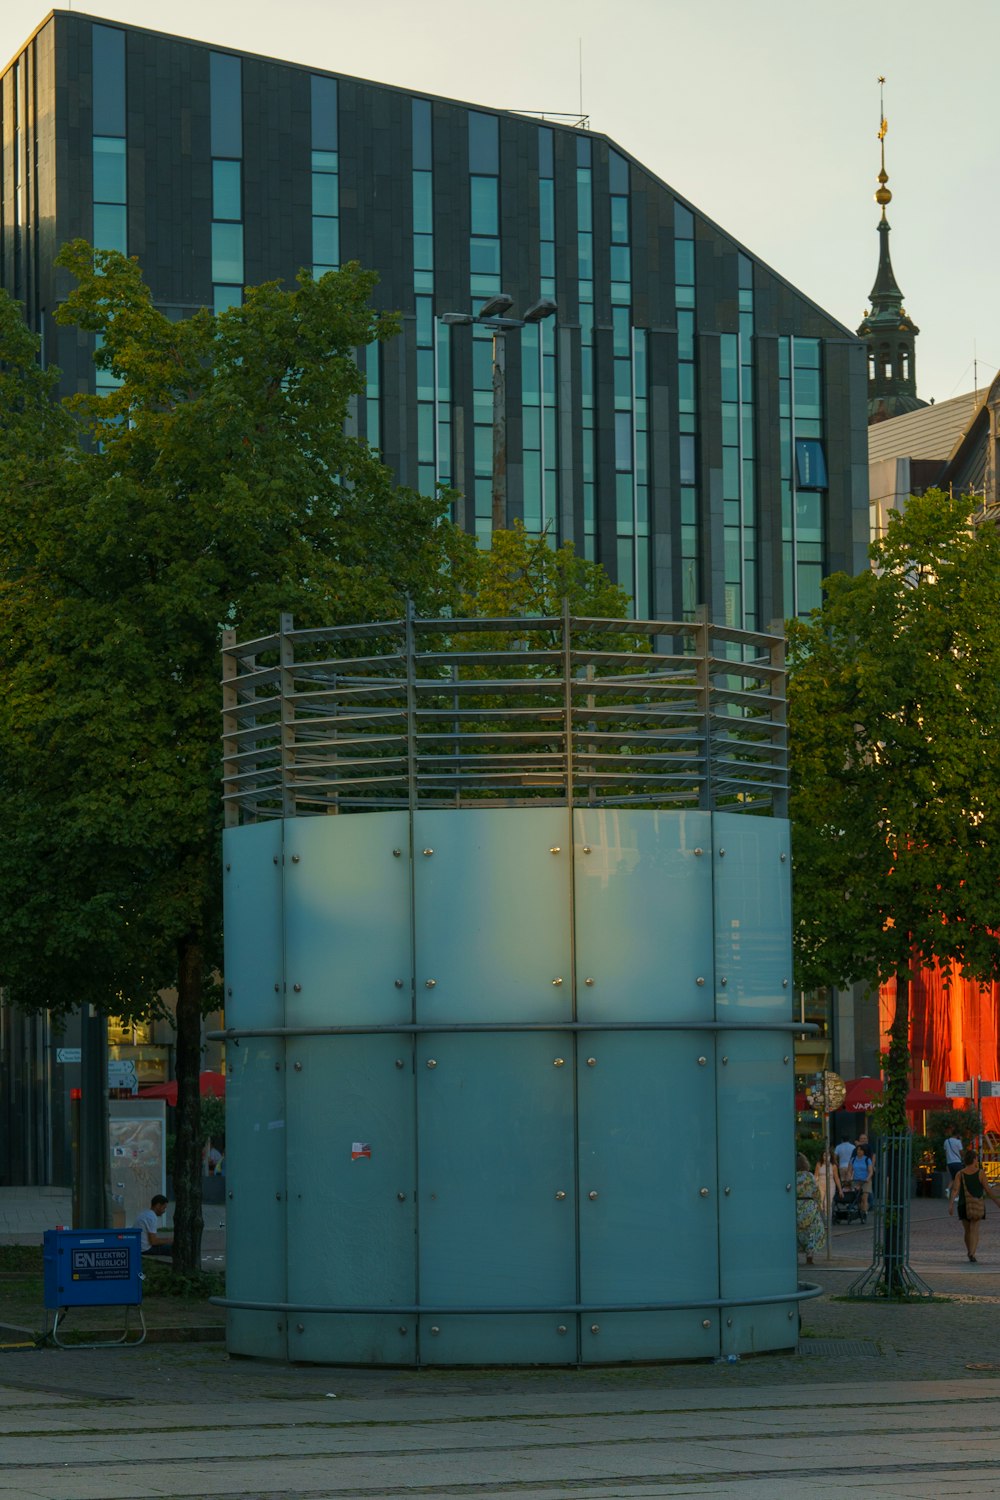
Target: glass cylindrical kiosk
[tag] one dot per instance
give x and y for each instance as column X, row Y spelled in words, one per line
column 508, row 1009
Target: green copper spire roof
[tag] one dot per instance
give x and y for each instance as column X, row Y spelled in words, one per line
column 887, row 329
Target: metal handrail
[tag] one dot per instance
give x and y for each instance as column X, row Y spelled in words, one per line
column 566, row 711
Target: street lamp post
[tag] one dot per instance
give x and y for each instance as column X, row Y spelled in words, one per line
column 493, row 315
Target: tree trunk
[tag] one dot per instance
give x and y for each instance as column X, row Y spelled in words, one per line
column 895, row 1178
column 93, row 1165
column 188, row 1222
column 897, row 1083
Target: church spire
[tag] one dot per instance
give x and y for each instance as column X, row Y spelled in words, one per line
column 889, row 333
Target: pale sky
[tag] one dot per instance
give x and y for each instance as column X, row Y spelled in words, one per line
column 763, row 113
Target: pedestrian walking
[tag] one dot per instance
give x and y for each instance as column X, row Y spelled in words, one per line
column 971, row 1189
column 843, row 1151
column 861, row 1174
column 953, row 1149
column 827, row 1167
column 810, row 1229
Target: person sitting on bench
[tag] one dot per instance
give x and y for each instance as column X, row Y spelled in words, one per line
column 152, row 1242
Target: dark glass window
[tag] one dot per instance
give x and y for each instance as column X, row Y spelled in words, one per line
column 226, row 195
column 227, row 104
column 484, row 143
column 683, row 222
column 325, row 238
column 423, row 252
column 583, row 151
column 545, row 166
column 684, row 262
column 110, row 227
column 324, row 114
column 423, row 203
column 617, row 173
column 687, row 459
column 325, row 195
column 109, row 80
column 425, row 319
column 546, row 208
column 109, row 169
column 810, row 464
column 621, row 263
column 808, row 392
column 685, row 335
column 227, row 252
column 484, row 257
column 483, row 198
column 619, row 220
column 422, row 147
column 622, row 332
column 745, row 270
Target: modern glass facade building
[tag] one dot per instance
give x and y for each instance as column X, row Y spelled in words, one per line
column 687, row 418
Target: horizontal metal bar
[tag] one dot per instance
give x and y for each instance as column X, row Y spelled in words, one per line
column 418, row 1028
column 803, row 1292
column 351, row 632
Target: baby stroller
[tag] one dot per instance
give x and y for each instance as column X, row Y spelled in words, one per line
column 847, row 1206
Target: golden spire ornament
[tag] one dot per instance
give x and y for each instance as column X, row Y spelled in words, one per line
column 883, row 197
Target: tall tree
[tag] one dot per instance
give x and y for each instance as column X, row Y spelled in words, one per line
column 214, row 485
column 894, row 714
column 527, row 575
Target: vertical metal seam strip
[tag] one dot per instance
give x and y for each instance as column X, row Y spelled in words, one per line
column 716, row 1039
column 739, row 478
column 286, row 658
column 286, row 689
column 282, row 1001
column 574, row 1040
column 793, row 477
column 230, row 725
column 411, row 805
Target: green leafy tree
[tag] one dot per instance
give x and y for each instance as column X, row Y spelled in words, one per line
column 214, row 486
column 894, row 714
column 525, row 575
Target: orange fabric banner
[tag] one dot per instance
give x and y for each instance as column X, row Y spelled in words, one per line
column 953, row 1032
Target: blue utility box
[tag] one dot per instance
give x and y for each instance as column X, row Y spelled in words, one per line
column 92, row 1268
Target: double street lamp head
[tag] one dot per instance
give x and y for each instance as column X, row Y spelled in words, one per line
column 494, row 313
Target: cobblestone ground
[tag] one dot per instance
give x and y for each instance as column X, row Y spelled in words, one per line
column 882, row 1401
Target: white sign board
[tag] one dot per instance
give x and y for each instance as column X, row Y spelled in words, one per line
column 138, row 1163
column 122, row 1075
column 67, row 1054
column 958, row 1090
column 989, row 1088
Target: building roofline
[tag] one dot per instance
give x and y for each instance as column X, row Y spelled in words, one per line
column 29, row 39
column 969, row 432
column 416, row 93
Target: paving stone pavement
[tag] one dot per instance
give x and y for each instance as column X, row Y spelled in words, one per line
column 890, row 1402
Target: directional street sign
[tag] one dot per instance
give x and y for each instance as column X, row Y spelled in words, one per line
column 989, row 1088
column 67, row 1054
column 959, row 1090
column 122, row 1075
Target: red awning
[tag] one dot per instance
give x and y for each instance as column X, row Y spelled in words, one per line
column 208, row 1083
column 864, row 1094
